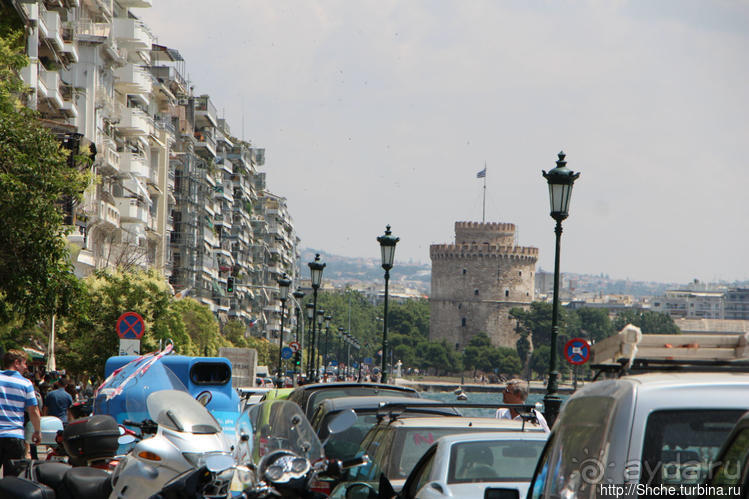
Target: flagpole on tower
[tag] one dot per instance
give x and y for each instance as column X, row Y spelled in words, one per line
column 482, row 174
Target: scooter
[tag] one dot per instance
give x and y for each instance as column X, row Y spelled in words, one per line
column 185, row 434
column 278, row 455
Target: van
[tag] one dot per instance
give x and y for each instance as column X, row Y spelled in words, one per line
column 657, row 426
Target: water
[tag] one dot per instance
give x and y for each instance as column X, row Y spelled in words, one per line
column 480, row 398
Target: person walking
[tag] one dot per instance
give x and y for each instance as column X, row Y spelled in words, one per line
column 516, row 392
column 16, row 396
column 58, row 402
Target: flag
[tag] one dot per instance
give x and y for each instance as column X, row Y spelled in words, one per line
column 481, row 174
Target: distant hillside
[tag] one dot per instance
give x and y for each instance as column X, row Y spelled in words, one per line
column 345, row 270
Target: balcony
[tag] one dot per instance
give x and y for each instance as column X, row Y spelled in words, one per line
column 68, row 104
column 109, row 158
column 205, row 142
column 50, row 87
column 51, row 18
column 131, row 34
column 89, row 31
column 205, row 112
column 99, row 7
column 132, row 210
column 108, row 215
column 133, row 79
column 133, row 121
column 134, row 163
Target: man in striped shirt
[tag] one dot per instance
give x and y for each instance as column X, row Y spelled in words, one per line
column 16, row 396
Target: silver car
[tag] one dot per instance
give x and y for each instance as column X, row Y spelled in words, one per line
column 469, row 464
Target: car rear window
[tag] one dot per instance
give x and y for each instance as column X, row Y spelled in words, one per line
column 345, row 445
column 680, row 445
column 494, row 461
column 318, row 397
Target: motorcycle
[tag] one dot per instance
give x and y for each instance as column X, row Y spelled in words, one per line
column 278, row 455
column 177, row 434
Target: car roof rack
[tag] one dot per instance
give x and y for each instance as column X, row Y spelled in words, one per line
column 393, row 410
column 630, row 351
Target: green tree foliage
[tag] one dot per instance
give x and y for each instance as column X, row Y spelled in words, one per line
column 650, row 322
column 35, row 278
column 595, row 323
column 540, row 360
column 201, row 325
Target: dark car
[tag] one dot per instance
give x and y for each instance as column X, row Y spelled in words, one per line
column 345, row 445
column 310, row 396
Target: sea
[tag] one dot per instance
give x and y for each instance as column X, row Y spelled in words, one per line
column 482, row 398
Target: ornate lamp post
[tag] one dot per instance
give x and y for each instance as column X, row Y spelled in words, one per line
column 328, row 318
column 298, row 295
column 311, row 321
column 283, row 286
column 348, row 353
column 339, row 355
column 315, row 270
column 318, row 342
column 561, row 180
column 387, row 246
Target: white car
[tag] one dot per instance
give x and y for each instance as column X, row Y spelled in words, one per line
column 466, row 465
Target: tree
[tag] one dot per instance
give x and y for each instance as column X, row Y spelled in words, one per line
column 650, row 322
column 540, row 360
column 596, row 323
column 36, row 279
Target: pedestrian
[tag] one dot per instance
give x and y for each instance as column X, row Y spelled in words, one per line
column 516, row 392
column 58, row 402
column 16, row 397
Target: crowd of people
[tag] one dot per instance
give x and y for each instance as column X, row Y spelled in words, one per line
column 27, row 395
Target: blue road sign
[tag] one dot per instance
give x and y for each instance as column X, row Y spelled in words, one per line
column 130, row 326
column 368, row 360
column 333, row 363
column 577, row 351
column 354, row 365
column 286, row 353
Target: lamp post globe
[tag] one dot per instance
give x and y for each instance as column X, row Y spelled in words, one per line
column 316, row 268
column 283, row 287
column 560, row 180
column 387, row 247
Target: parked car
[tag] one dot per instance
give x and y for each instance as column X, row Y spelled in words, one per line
column 310, row 396
column 394, row 445
column 467, row 465
column 642, row 430
column 730, row 472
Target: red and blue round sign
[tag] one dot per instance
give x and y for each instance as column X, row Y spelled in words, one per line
column 577, row 351
column 130, row 326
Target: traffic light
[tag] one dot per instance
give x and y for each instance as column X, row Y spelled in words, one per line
column 230, row 284
column 298, row 358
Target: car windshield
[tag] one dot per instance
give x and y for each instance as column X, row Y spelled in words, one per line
column 494, row 461
column 345, row 445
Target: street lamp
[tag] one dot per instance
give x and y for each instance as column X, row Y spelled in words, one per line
column 328, row 318
column 339, row 355
column 311, row 321
column 298, row 295
column 320, row 317
column 561, row 180
column 315, row 270
column 387, row 246
column 283, row 286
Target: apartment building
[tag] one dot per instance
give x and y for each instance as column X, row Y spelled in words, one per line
column 690, row 304
column 173, row 189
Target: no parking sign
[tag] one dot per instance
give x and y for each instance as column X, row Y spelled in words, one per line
column 577, row 351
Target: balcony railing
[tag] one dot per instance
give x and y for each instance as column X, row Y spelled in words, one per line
column 133, row 121
column 87, row 29
column 134, row 163
column 132, row 210
column 133, row 79
column 131, row 33
column 205, row 111
column 51, row 82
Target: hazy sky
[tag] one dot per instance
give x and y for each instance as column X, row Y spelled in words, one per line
column 377, row 112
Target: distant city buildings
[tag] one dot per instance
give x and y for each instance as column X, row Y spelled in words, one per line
column 174, row 190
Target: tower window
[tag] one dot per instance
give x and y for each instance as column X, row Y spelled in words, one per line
column 463, row 322
column 476, row 292
column 507, row 292
column 464, row 271
column 520, row 273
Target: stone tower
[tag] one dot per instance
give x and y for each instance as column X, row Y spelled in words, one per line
column 476, row 281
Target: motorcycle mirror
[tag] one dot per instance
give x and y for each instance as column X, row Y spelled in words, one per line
column 217, row 463
column 126, row 439
column 204, row 397
column 342, row 422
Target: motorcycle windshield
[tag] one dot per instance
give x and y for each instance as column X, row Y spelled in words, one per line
column 179, row 411
column 276, row 425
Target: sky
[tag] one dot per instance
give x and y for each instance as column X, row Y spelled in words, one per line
column 382, row 112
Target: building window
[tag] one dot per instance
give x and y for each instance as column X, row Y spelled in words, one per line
column 464, row 271
column 476, row 292
column 507, row 292
column 463, row 322
column 520, row 273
